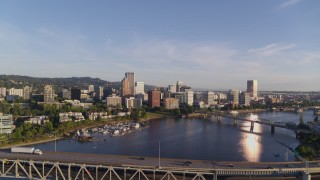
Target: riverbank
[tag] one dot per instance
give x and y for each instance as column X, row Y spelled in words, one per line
column 30, row 143
column 150, row 116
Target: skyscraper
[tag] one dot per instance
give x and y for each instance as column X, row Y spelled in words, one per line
column 127, row 85
column 188, row 97
column 48, row 93
column 179, row 85
column 233, row 96
column 245, row 99
column 99, row 93
column 75, row 93
column 252, row 88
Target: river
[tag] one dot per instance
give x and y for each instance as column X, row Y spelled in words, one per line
column 197, row 139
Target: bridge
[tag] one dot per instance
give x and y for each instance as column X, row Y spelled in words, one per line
column 63, row 165
column 272, row 124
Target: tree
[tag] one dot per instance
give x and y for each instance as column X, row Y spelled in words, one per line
column 5, row 107
column 48, row 126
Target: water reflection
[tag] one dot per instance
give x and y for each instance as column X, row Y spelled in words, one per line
column 250, row 142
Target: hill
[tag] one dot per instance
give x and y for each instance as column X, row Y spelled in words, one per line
column 37, row 83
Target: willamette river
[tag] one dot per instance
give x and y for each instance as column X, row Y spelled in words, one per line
column 197, row 139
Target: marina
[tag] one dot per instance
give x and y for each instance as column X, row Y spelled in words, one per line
column 102, row 133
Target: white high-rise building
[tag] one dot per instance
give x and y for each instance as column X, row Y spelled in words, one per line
column 99, row 93
column 188, row 97
column 139, row 87
column 91, row 88
column 252, row 88
column 172, row 88
column 179, row 85
column 209, row 98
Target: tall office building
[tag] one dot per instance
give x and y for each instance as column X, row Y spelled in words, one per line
column 99, row 93
column 209, row 97
column 233, row 96
column 75, row 93
column 188, row 97
column 48, row 93
column 179, row 85
column 154, row 98
column 172, row 88
column 245, row 98
column 139, row 88
column 26, row 93
column 127, row 85
column 252, row 88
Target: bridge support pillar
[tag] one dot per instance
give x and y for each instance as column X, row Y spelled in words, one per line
column 252, row 126
column 219, row 119
column 306, row 176
column 272, row 129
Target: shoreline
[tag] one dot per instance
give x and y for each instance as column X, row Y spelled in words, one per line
column 30, row 143
column 90, row 126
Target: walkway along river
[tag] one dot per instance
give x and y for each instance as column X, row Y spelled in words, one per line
column 197, row 139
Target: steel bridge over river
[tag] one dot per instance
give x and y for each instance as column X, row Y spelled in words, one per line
column 63, row 165
column 272, row 124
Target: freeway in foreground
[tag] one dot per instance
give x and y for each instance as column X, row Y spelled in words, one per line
column 116, row 160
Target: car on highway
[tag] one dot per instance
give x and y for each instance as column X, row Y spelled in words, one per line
column 187, row 163
column 230, row 165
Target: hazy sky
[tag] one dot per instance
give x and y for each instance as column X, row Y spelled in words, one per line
column 206, row 44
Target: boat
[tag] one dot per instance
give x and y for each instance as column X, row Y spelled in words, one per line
column 137, row 126
column 234, row 112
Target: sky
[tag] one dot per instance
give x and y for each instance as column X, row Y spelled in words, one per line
column 205, row 44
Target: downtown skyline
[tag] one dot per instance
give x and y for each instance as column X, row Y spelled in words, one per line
column 212, row 45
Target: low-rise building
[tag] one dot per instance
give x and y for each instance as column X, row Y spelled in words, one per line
column 77, row 103
column 71, row 116
column 171, row 103
column 113, row 101
column 121, row 114
column 40, row 120
column 96, row 115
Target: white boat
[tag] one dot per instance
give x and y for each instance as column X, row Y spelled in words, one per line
column 137, row 126
column 116, row 132
column 234, row 112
